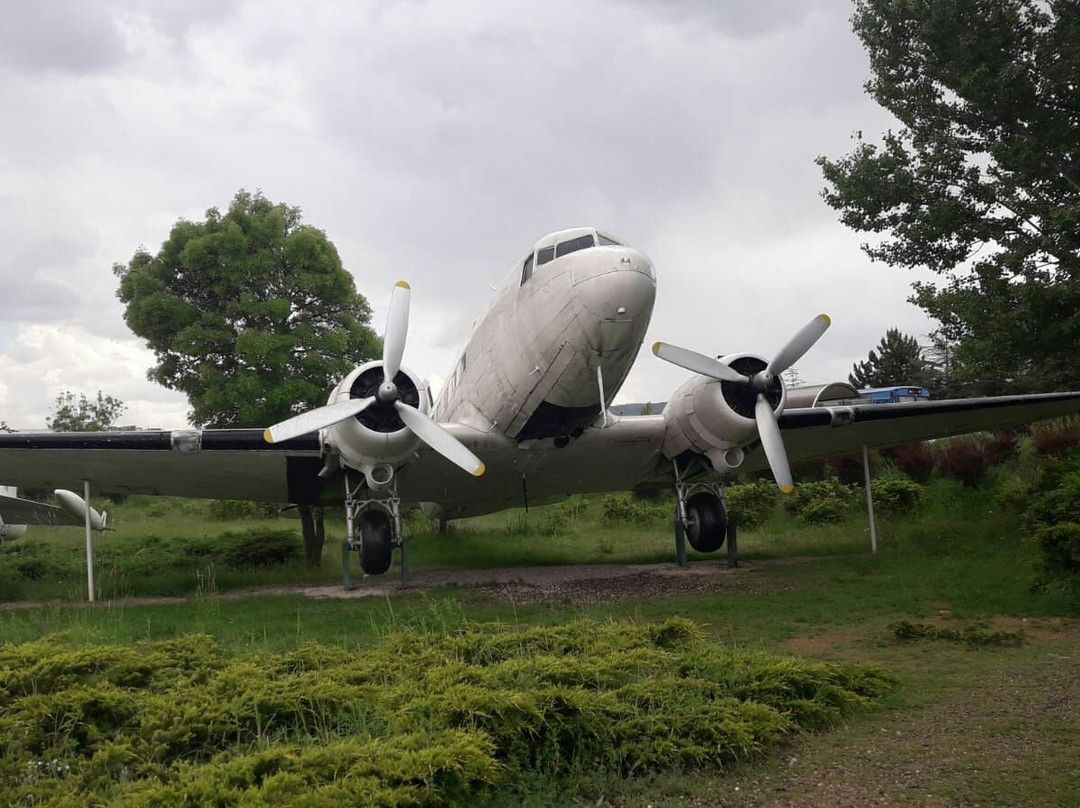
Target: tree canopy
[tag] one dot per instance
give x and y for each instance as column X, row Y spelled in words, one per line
column 81, row 414
column 250, row 313
column 981, row 184
column 897, row 361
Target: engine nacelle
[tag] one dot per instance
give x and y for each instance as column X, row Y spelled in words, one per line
column 716, row 418
column 377, row 436
column 9, row 532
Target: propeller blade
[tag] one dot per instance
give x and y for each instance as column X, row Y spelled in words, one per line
column 439, row 439
column 698, row 363
column 798, row 345
column 314, row 420
column 397, row 329
column 773, row 444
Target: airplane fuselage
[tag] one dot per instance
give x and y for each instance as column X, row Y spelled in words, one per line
column 566, row 323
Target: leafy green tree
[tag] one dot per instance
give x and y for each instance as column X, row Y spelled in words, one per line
column 897, row 361
column 71, row 414
column 251, row 314
column 981, row 183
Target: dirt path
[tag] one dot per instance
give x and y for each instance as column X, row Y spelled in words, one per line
column 1003, row 742
column 576, row 585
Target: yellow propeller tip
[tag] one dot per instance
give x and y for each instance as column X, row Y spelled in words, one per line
column 656, row 348
column 826, row 318
column 480, row 471
column 403, row 285
column 787, row 489
column 267, row 436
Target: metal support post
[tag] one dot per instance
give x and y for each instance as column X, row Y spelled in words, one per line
column 869, row 500
column 346, row 566
column 89, row 544
column 732, row 542
column 404, row 562
column 680, row 542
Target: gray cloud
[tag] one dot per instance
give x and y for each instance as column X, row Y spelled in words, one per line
column 435, row 142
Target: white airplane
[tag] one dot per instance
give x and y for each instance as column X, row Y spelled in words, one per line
column 71, row 511
column 522, row 419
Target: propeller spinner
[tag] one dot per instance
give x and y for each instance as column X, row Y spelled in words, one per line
column 386, row 396
column 761, row 382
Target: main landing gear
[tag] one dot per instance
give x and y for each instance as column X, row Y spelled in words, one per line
column 700, row 516
column 372, row 526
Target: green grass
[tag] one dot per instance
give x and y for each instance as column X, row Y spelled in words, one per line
column 961, row 552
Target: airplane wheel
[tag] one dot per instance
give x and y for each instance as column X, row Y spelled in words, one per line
column 376, row 542
column 706, row 522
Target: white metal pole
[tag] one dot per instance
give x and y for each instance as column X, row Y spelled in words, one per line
column 89, row 544
column 869, row 500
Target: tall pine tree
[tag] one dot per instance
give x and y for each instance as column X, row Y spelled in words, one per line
column 897, row 361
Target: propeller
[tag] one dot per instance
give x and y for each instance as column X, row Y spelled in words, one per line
column 314, row 420
column 762, row 381
column 387, row 395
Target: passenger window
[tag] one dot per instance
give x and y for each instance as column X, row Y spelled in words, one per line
column 573, row 245
column 526, row 271
column 607, row 242
column 545, row 254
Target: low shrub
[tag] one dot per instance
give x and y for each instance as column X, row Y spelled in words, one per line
column 1056, row 438
column 419, row 719
column 256, row 548
column 974, row 634
column 622, row 510
column 750, row 504
column 1053, row 518
column 227, row 510
column 821, row 502
column 896, row 495
column 1013, row 494
column 914, row 459
column 1001, row 446
column 962, row 459
column 848, row 468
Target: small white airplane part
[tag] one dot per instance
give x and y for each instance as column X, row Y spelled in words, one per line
column 522, row 419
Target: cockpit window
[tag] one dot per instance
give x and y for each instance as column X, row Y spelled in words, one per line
column 526, row 270
column 573, row 245
column 607, row 241
column 545, row 254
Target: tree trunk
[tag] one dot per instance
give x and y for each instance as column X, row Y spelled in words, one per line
column 311, row 520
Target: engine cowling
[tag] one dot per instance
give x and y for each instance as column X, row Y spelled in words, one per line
column 716, row 418
column 377, row 435
column 10, row 532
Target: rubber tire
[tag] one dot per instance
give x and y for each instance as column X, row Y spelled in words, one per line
column 706, row 522
column 376, row 542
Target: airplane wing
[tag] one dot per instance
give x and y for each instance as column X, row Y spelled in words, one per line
column 821, row 431
column 16, row 511
column 240, row 464
column 218, row 464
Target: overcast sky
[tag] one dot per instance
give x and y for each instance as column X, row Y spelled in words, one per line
column 434, row 143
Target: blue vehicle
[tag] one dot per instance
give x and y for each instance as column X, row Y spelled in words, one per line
column 893, row 395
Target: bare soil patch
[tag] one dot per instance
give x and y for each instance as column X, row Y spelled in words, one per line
column 574, row 585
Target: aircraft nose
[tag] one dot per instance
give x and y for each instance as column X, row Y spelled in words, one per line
column 618, row 286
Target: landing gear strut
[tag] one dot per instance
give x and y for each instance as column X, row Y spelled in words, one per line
column 378, row 516
column 700, row 516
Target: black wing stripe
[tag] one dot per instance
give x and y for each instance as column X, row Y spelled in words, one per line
column 820, row 416
column 229, row 440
